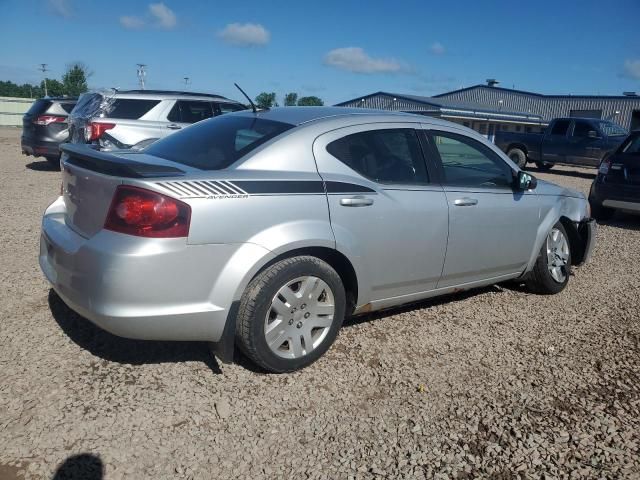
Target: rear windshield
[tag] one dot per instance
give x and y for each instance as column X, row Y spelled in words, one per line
column 39, row 106
column 130, row 108
column 216, row 143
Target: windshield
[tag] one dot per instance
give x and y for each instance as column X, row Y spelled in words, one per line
column 612, row 130
column 216, row 143
column 631, row 144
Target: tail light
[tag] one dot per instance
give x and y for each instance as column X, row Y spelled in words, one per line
column 605, row 165
column 143, row 213
column 48, row 119
column 95, row 130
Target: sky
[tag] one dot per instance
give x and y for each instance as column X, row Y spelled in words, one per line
column 336, row 50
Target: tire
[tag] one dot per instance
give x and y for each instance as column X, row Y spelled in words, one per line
column 544, row 166
column 275, row 317
column 54, row 162
column 546, row 279
column 518, row 157
column 601, row 213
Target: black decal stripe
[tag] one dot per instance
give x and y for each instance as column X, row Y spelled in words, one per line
column 343, row 187
column 257, row 187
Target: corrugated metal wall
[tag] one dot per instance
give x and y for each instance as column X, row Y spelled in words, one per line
column 548, row 106
column 383, row 102
column 12, row 110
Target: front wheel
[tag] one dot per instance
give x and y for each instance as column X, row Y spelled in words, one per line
column 290, row 314
column 518, row 157
column 551, row 271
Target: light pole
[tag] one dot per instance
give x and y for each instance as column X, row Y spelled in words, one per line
column 141, row 74
column 187, row 82
column 43, row 69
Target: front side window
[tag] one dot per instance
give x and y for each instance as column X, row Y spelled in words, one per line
column 468, row 163
column 560, row 127
column 217, row 143
column 384, row 156
column 581, row 129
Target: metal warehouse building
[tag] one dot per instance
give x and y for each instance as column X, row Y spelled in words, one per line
column 488, row 108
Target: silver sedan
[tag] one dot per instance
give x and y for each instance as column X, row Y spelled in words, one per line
column 265, row 230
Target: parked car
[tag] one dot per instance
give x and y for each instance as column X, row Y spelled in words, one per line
column 571, row 141
column 269, row 228
column 135, row 118
column 617, row 186
column 45, row 127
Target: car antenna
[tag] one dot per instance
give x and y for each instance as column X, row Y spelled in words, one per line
column 253, row 106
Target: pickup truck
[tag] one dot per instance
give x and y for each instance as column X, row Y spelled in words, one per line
column 571, row 141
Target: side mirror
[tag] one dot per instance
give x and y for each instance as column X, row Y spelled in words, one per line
column 592, row 134
column 525, row 181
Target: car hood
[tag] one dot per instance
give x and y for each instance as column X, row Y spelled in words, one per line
column 548, row 188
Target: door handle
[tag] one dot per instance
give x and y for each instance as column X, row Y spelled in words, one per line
column 358, row 201
column 465, row 202
column 173, row 126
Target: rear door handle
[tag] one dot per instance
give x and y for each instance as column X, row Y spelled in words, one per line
column 465, row 202
column 173, row 126
column 358, row 201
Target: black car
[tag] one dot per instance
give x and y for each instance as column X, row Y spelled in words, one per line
column 617, row 186
column 45, row 127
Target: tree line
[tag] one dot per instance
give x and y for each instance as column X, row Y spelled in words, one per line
column 268, row 100
column 72, row 84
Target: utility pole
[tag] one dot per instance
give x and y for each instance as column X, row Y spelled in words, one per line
column 187, row 82
column 141, row 74
column 43, row 69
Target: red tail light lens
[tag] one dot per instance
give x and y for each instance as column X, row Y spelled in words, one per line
column 48, row 119
column 95, row 130
column 143, row 213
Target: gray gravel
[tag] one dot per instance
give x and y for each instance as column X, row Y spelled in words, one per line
column 494, row 383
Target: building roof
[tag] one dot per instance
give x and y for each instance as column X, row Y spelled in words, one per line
column 534, row 94
column 300, row 115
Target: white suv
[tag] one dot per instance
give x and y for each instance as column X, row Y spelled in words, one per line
column 135, row 118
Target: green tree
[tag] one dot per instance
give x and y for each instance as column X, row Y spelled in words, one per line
column 75, row 79
column 54, row 88
column 290, row 99
column 311, row 101
column 266, row 100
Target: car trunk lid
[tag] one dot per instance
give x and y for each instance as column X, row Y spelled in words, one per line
column 90, row 178
column 624, row 169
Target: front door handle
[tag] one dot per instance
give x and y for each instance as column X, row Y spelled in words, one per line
column 174, row 126
column 465, row 202
column 358, row 201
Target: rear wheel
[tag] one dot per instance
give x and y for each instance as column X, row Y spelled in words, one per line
column 544, row 166
column 518, row 157
column 551, row 271
column 601, row 213
column 290, row 314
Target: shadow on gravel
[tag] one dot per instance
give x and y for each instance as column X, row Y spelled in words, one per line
column 41, row 166
column 84, row 466
column 123, row 350
column 431, row 302
column 564, row 173
column 624, row 221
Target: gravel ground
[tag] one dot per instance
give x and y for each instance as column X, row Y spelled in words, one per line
column 493, row 383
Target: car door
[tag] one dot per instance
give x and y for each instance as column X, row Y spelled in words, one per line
column 554, row 142
column 187, row 112
column 492, row 227
column 584, row 149
column 388, row 216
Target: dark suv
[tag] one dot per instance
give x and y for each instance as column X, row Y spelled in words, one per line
column 45, row 127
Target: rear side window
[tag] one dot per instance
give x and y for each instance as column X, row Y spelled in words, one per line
column 130, row 108
column 190, row 111
column 384, row 156
column 217, row 143
column 228, row 108
column 38, row 107
column 560, row 127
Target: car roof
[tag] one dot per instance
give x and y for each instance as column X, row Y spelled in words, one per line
column 165, row 95
column 60, row 99
column 302, row 115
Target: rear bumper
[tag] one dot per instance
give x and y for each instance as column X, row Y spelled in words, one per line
column 152, row 289
column 39, row 148
column 619, row 196
column 587, row 233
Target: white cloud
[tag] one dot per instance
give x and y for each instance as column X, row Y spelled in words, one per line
column 131, row 22
column 355, row 59
column 164, row 16
column 437, row 48
column 245, row 34
column 62, row 8
column 632, row 69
